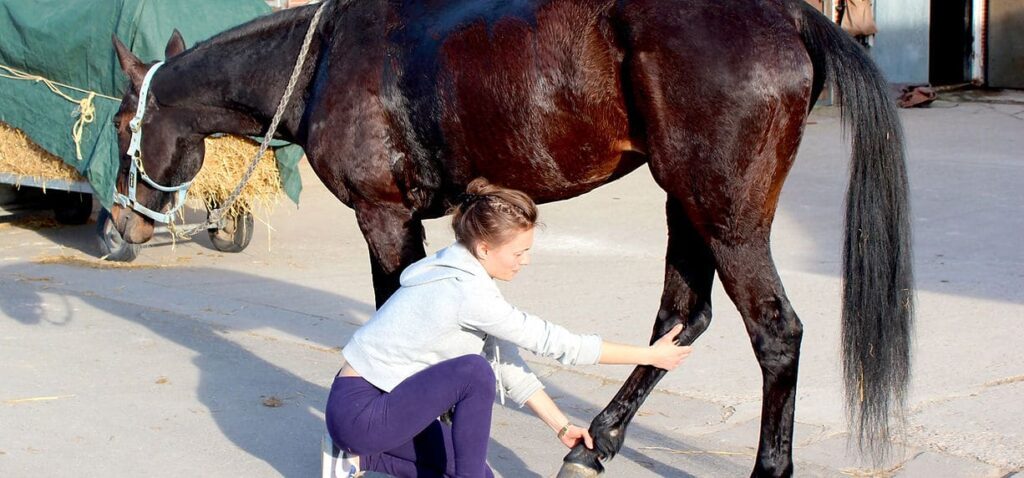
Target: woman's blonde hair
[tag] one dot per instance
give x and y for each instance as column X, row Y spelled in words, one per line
column 491, row 214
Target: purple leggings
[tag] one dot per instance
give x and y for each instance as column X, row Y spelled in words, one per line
column 398, row 432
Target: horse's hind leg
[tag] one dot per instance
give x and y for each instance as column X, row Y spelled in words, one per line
column 749, row 276
column 686, row 299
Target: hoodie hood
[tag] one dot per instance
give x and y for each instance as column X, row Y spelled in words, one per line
column 452, row 262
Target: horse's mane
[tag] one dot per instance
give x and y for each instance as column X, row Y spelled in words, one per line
column 267, row 24
column 253, row 43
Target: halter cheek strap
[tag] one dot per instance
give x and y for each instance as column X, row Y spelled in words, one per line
column 137, row 169
column 135, row 148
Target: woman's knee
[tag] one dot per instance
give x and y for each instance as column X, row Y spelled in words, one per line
column 339, row 427
column 474, row 369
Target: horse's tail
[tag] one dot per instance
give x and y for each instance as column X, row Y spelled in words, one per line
column 878, row 280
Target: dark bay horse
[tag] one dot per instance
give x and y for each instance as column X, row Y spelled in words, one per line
column 402, row 103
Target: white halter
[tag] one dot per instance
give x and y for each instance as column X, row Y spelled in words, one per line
column 137, row 169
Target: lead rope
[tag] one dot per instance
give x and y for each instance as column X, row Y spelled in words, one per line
column 217, row 215
column 86, row 110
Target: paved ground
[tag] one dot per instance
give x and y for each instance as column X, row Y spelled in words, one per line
column 167, row 368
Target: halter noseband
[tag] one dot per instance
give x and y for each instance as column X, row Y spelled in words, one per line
column 136, row 170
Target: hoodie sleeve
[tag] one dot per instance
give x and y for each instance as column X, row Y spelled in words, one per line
column 489, row 313
column 518, row 382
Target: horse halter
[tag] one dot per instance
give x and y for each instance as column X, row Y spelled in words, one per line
column 137, row 169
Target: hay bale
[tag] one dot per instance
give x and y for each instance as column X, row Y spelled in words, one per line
column 24, row 159
column 227, row 158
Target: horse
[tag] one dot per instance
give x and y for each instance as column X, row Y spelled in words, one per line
column 403, row 103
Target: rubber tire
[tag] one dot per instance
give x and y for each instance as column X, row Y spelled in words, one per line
column 112, row 246
column 235, row 236
column 71, row 208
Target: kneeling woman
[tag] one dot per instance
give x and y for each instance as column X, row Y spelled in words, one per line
column 420, row 354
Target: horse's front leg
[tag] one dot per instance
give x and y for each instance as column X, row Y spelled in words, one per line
column 395, row 239
column 686, row 299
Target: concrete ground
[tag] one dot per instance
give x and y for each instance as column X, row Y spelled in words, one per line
column 192, row 362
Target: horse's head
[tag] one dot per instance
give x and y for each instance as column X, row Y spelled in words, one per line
column 155, row 171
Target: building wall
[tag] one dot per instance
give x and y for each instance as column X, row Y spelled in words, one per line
column 901, row 45
column 1006, row 44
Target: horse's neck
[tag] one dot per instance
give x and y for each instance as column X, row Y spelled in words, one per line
column 235, row 80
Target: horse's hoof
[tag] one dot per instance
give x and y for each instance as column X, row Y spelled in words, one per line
column 576, row 470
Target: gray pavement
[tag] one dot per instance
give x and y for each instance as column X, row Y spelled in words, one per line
column 167, row 367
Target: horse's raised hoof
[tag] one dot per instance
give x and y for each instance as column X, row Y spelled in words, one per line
column 576, row 470
column 581, row 463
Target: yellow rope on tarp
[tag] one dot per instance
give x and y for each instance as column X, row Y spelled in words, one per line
column 86, row 110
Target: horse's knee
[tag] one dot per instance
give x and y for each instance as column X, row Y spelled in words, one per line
column 699, row 322
column 693, row 326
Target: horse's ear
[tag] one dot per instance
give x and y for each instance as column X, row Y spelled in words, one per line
column 175, row 45
column 131, row 64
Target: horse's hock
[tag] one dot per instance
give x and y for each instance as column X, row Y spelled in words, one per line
column 225, row 162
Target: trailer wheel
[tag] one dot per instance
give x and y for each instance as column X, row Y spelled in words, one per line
column 235, row 235
column 112, row 246
column 71, row 208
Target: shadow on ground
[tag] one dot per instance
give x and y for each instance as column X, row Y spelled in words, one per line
column 231, row 375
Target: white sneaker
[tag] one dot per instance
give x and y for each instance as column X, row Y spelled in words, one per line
column 337, row 463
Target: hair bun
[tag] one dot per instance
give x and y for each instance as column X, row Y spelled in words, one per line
column 481, row 187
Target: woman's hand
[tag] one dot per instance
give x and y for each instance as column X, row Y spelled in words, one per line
column 570, row 435
column 665, row 353
column 574, row 434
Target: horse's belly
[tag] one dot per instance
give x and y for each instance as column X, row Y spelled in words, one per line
column 536, row 104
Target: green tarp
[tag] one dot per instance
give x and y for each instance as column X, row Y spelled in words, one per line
column 69, row 42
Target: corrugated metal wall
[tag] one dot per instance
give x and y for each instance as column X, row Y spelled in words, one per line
column 901, row 45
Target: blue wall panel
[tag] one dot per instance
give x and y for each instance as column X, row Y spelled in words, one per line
column 901, row 45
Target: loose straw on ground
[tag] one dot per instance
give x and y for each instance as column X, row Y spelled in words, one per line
column 36, row 399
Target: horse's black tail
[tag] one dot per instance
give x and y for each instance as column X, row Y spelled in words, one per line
column 878, row 280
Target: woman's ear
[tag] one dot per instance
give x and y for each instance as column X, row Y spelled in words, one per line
column 481, row 250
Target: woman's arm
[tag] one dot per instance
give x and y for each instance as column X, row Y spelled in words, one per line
column 545, row 409
column 489, row 313
column 662, row 354
column 492, row 315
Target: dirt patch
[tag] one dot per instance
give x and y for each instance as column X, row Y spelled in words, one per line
column 94, row 263
column 31, row 222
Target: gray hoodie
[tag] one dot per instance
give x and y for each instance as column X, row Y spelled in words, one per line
column 448, row 306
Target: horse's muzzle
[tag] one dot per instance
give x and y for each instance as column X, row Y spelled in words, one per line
column 133, row 227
